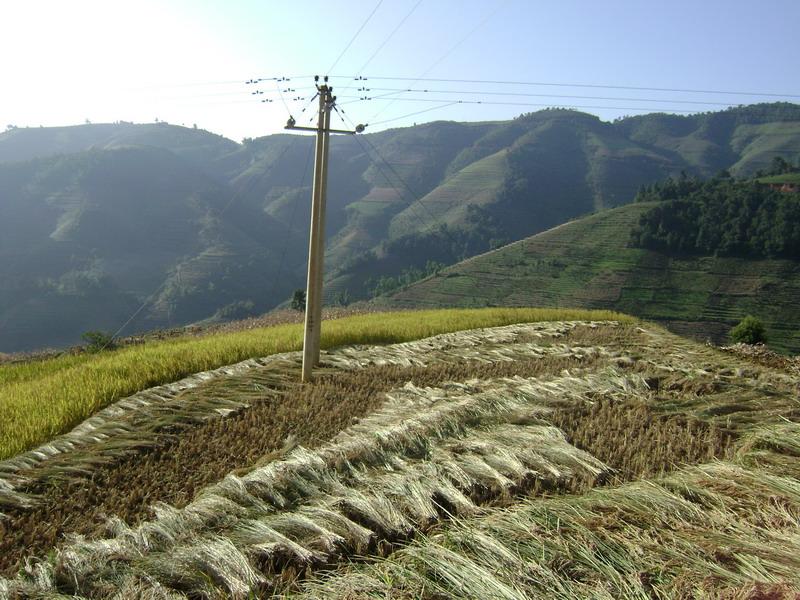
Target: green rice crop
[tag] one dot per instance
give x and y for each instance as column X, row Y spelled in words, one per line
column 42, row 399
column 34, row 369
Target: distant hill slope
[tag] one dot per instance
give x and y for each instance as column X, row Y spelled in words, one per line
column 532, row 173
column 587, row 263
column 197, row 145
column 86, row 237
column 220, row 228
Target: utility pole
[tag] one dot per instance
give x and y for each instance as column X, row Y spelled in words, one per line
column 316, row 242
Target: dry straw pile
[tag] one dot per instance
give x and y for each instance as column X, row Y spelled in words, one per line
column 566, row 460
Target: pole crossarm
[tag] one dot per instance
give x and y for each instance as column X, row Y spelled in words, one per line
column 315, row 129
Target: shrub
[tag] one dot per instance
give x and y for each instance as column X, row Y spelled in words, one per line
column 299, row 300
column 98, row 340
column 750, row 330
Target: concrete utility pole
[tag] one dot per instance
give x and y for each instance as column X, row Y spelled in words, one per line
column 316, row 242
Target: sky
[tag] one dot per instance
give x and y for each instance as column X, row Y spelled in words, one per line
column 187, row 61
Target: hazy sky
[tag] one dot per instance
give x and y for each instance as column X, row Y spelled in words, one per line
column 186, row 62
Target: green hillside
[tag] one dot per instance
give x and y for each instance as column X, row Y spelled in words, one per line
column 542, row 169
column 96, row 217
column 587, row 263
column 86, row 237
column 197, row 145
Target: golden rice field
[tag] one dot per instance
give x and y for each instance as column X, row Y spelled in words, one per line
column 572, row 458
column 41, row 399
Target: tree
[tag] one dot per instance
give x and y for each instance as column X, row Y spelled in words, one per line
column 98, row 340
column 299, row 300
column 750, row 330
column 342, row 298
column 779, row 166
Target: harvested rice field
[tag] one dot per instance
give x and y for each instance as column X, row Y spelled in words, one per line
column 560, row 459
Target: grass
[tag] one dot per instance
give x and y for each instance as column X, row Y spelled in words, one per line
column 43, row 399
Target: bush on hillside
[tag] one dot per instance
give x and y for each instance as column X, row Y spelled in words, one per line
column 98, row 340
column 299, row 300
column 750, row 330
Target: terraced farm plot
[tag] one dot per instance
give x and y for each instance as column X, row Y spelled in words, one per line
column 587, row 263
column 476, row 184
column 539, row 460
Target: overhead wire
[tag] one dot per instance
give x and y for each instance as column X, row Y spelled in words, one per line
column 414, row 114
column 280, row 93
column 537, row 104
column 450, row 102
column 524, row 94
column 222, row 82
column 355, row 35
column 290, row 228
column 242, row 191
column 414, row 196
column 575, row 85
column 389, row 37
column 135, row 314
column 360, row 77
column 452, row 49
column 252, row 183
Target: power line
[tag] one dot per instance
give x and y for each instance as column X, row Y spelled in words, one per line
column 245, row 190
column 377, row 165
column 360, row 77
column 541, row 105
column 280, row 93
column 573, row 85
column 223, row 82
column 389, row 37
column 290, row 228
column 257, row 179
column 415, row 197
column 450, row 50
column 523, row 94
column 398, row 91
column 419, row 112
column 135, row 314
column 364, row 98
column 355, row 35
column 220, row 94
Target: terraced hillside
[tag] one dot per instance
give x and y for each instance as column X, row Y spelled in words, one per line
column 534, row 460
column 587, row 263
column 95, row 219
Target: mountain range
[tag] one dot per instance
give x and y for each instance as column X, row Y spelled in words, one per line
column 157, row 225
